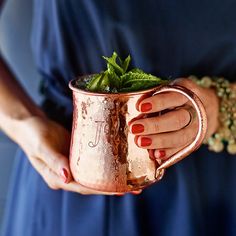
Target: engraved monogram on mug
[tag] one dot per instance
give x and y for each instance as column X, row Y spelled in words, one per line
column 100, row 125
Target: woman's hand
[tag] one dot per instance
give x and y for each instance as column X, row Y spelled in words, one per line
column 170, row 132
column 46, row 144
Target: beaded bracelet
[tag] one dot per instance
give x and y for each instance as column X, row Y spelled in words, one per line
column 226, row 133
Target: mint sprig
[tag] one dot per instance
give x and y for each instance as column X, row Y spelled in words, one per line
column 117, row 78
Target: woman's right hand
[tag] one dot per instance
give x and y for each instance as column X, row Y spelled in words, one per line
column 46, row 144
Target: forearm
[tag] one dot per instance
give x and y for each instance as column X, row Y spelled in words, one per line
column 15, row 104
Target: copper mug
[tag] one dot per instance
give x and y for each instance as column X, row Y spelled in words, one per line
column 103, row 154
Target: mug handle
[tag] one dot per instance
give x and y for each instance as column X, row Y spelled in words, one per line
column 202, row 123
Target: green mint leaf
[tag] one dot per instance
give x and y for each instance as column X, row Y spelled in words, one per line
column 115, row 81
column 93, row 85
column 132, row 77
column 139, row 86
column 99, row 83
column 137, row 70
column 117, row 77
column 126, row 63
column 112, row 62
column 105, row 83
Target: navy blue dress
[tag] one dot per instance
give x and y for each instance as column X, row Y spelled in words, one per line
column 168, row 38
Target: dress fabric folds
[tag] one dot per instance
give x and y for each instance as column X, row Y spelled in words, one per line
column 168, row 38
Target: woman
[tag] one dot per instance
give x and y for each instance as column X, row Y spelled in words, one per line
column 165, row 38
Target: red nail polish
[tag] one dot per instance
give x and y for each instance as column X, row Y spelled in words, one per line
column 64, row 174
column 145, row 142
column 137, row 128
column 146, row 107
column 162, row 153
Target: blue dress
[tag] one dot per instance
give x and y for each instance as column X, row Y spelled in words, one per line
column 169, row 38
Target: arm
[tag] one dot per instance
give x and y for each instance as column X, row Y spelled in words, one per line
column 28, row 126
column 16, row 105
column 21, row 119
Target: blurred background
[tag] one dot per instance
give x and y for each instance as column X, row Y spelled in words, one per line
column 15, row 25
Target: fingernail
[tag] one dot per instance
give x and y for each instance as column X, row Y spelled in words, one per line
column 145, row 142
column 64, row 174
column 146, row 107
column 137, row 128
column 162, row 153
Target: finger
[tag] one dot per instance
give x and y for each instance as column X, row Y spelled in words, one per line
column 50, row 178
column 76, row 187
column 187, row 83
column 164, row 154
column 168, row 140
column 170, row 121
column 161, row 155
column 157, row 154
column 161, row 102
column 57, row 162
column 54, row 181
column 137, row 192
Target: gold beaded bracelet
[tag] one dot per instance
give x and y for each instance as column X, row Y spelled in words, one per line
column 226, row 133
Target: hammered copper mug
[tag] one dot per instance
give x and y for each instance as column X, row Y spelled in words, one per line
column 103, row 154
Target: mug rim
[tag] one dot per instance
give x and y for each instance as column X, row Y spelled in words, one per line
column 75, row 89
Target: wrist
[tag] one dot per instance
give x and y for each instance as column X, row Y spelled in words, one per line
column 213, row 108
column 28, row 131
column 225, row 133
column 14, row 123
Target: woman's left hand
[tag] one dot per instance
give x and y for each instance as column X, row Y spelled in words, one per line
column 170, row 132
